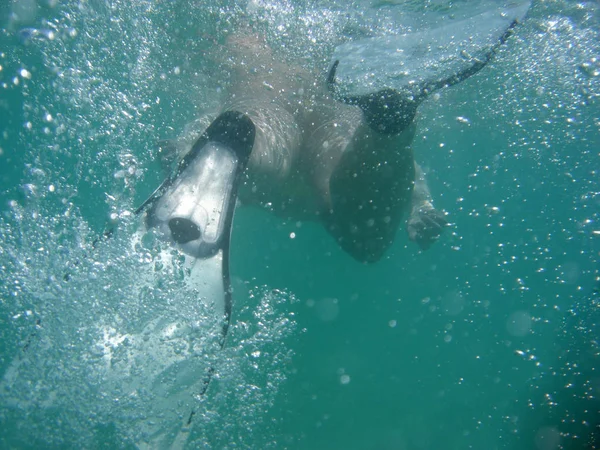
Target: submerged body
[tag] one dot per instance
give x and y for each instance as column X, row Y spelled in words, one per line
column 315, row 158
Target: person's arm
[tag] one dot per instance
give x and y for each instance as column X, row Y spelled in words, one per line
column 425, row 223
column 421, row 197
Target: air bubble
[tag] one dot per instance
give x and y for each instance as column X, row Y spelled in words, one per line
column 327, row 309
column 453, row 303
column 519, row 324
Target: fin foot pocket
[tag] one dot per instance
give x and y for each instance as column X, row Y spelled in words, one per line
column 183, row 230
column 194, row 209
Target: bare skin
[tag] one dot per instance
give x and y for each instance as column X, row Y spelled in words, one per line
column 317, row 159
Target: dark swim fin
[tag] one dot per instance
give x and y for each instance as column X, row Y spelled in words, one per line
column 389, row 76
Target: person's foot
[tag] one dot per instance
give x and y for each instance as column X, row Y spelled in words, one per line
column 387, row 111
column 425, row 225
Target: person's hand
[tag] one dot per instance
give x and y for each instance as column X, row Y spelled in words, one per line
column 425, row 225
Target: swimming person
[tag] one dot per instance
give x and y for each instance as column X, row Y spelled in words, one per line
column 337, row 148
column 349, row 166
column 316, row 158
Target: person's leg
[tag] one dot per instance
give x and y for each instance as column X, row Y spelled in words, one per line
column 276, row 142
column 364, row 179
column 269, row 91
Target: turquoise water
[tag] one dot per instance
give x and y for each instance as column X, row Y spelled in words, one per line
column 489, row 340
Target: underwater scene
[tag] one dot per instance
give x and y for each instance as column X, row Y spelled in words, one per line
column 487, row 339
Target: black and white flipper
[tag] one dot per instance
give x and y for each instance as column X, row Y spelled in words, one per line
column 192, row 212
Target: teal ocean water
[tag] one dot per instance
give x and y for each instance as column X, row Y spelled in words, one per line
column 488, row 340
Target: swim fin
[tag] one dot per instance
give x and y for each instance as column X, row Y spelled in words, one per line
column 194, row 208
column 192, row 212
column 389, row 76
